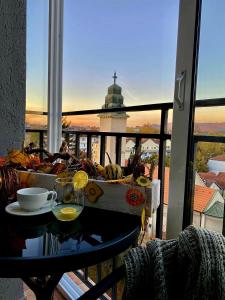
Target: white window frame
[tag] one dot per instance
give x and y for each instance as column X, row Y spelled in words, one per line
column 182, row 119
column 55, row 62
column 180, row 206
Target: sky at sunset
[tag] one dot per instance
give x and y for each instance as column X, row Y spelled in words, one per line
column 136, row 38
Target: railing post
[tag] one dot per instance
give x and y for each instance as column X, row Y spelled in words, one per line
column 190, row 188
column 77, row 146
column 161, row 171
column 137, row 142
column 89, row 148
column 86, row 274
column 118, row 149
column 41, row 142
column 102, row 150
column 99, row 272
column 67, row 137
column 114, row 287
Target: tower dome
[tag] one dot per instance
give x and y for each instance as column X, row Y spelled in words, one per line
column 114, row 98
column 114, row 89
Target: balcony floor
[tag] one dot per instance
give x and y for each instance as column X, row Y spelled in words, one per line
column 29, row 295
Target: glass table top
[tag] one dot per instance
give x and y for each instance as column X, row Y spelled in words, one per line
column 43, row 236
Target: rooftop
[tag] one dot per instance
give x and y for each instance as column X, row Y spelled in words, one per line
column 219, row 157
column 210, row 177
column 202, row 196
column 216, row 210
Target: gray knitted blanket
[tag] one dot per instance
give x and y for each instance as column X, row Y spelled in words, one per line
column 190, row 267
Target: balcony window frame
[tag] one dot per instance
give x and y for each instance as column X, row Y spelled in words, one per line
column 55, row 63
column 188, row 11
column 181, row 183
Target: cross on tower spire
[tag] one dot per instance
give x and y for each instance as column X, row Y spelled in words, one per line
column 114, row 77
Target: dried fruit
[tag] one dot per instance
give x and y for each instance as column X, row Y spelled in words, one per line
column 88, row 166
column 112, row 171
column 143, row 181
column 18, row 158
column 45, row 168
column 100, row 169
column 9, row 184
column 80, row 180
column 58, row 168
column 135, row 166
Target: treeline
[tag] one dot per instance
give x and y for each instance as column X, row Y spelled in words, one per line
column 145, row 128
column 204, row 152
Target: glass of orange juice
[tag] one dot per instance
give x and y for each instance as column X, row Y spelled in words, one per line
column 70, row 199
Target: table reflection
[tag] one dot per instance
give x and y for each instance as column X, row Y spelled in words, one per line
column 39, row 249
column 45, row 236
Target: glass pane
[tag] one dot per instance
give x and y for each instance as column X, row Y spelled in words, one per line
column 133, row 122
column 211, row 65
column 37, row 57
column 37, row 70
column 209, row 186
column 210, row 120
column 137, row 39
column 36, row 121
column 209, row 158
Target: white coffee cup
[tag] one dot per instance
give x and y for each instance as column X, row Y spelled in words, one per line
column 34, row 198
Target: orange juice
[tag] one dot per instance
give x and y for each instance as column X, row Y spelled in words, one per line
column 67, row 212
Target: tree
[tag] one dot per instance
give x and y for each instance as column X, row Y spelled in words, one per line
column 204, row 152
column 148, row 128
column 65, row 123
column 145, row 128
column 32, row 137
column 68, row 139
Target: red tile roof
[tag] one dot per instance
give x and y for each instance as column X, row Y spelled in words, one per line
column 208, row 178
column 220, row 180
column 219, row 157
column 207, row 175
column 203, row 195
column 211, row 177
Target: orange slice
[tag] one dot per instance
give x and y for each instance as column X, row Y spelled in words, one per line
column 68, row 212
column 80, row 180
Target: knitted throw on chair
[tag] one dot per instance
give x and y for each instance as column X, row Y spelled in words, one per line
column 190, row 267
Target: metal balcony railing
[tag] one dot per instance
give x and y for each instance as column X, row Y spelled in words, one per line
column 162, row 137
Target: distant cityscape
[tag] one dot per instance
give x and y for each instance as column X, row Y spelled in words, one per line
column 213, row 128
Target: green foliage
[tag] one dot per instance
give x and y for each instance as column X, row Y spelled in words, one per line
column 65, row 123
column 130, row 130
column 146, row 128
column 204, row 152
column 154, row 159
column 32, row 137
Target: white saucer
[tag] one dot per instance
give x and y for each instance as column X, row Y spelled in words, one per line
column 14, row 209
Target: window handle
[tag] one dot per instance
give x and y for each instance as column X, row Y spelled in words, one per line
column 179, row 90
